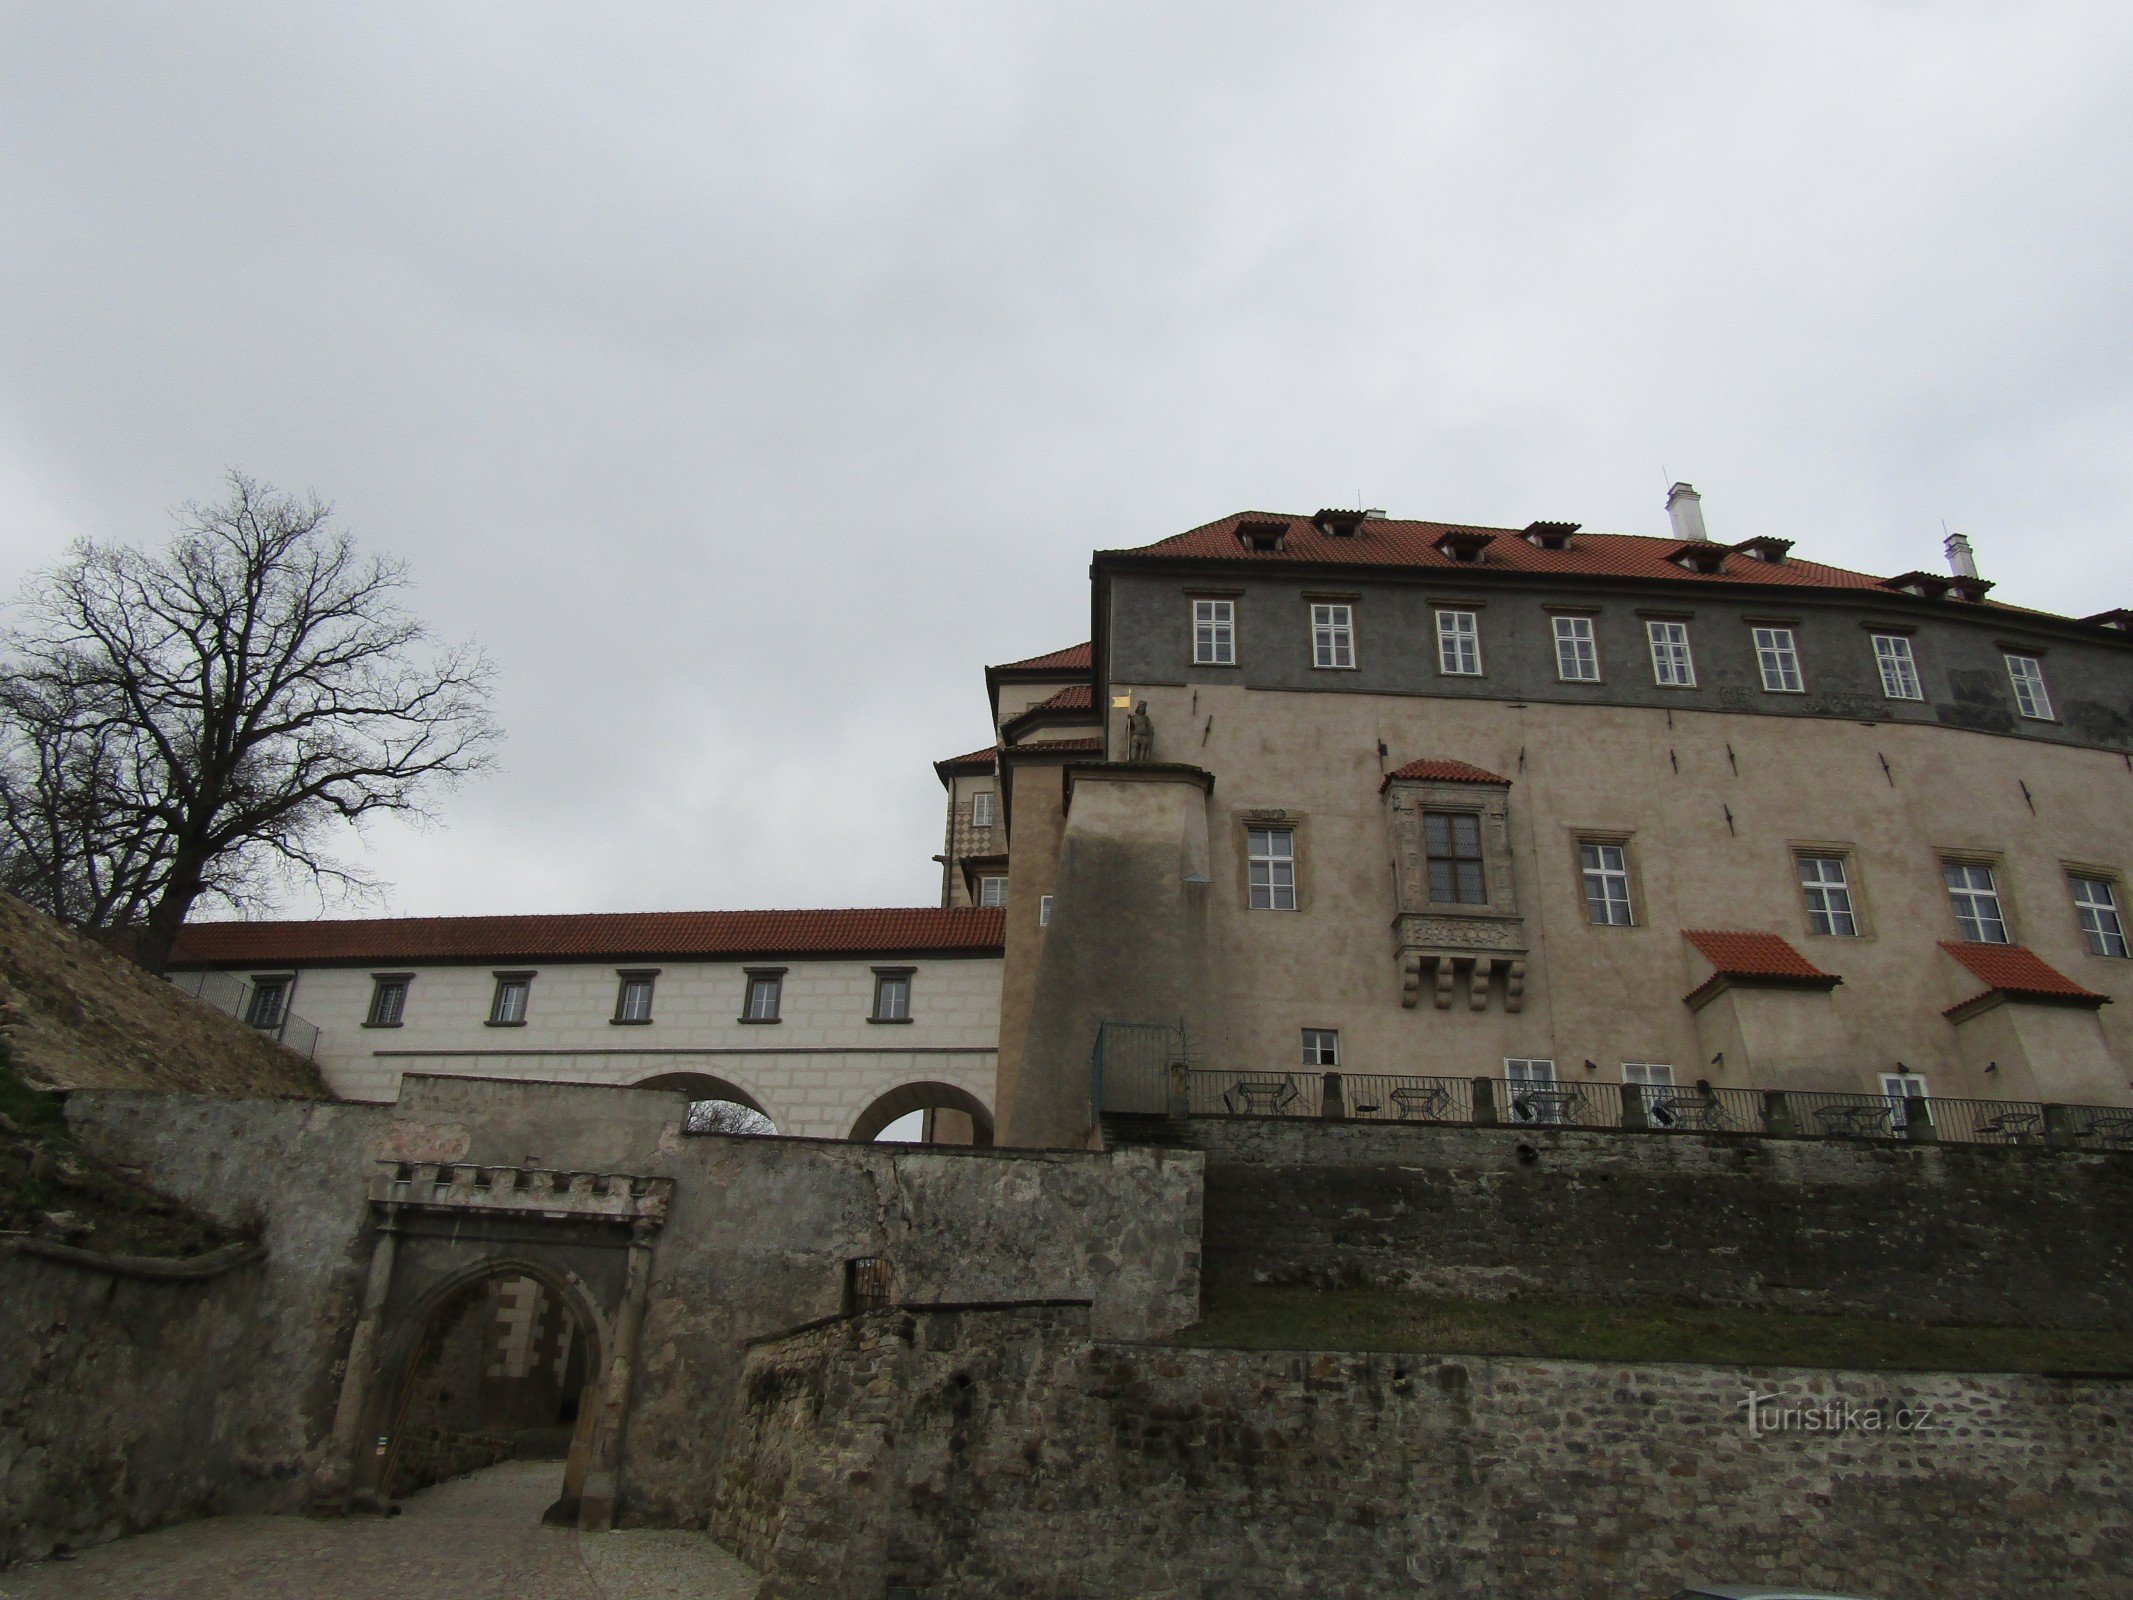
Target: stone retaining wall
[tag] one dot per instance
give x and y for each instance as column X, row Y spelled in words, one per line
column 1929, row 1233
column 1003, row 1455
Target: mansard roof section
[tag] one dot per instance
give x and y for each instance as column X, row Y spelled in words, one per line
column 617, row 936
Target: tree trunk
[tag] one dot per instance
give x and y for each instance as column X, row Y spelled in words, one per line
column 180, row 890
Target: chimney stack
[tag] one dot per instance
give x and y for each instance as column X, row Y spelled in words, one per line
column 1961, row 561
column 1685, row 506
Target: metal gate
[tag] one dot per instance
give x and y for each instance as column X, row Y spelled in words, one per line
column 1129, row 1069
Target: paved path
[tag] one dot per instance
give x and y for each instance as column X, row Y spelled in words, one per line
column 475, row 1538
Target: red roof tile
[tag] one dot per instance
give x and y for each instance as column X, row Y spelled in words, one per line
column 1058, row 746
column 985, row 760
column 1074, row 697
column 1443, row 772
column 1385, row 542
column 631, row 935
column 2016, row 971
column 1764, row 956
column 1074, row 657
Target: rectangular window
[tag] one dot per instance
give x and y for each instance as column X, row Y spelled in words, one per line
column 1899, row 670
column 1530, row 1088
column 766, row 992
column 1271, row 864
column 1672, row 665
column 2096, row 904
column 269, row 1002
column 892, row 995
column 507, row 1007
column 1900, row 1089
column 1577, row 652
column 1976, row 899
column 1778, row 655
column 1044, row 911
column 1322, row 1047
column 1651, row 1083
column 1452, row 841
column 2032, row 699
column 388, row 999
column 1459, row 644
column 1829, row 896
column 633, row 996
column 866, row 1284
column 1214, row 633
column 1332, row 636
column 992, row 891
column 981, row 805
column 1606, row 872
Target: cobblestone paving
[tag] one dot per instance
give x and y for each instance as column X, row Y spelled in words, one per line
column 475, row 1538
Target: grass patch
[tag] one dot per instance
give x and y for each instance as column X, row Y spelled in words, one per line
column 1289, row 1318
column 51, row 1187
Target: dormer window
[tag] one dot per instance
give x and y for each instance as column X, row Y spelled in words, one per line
column 1261, row 536
column 1770, row 550
column 1926, row 585
column 1551, row 535
column 1699, row 556
column 2121, row 621
column 1337, row 524
column 1464, row 545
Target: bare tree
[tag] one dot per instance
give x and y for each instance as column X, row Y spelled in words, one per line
column 196, row 723
column 726, row 1116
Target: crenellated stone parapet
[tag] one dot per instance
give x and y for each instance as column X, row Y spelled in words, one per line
column 523, row 1191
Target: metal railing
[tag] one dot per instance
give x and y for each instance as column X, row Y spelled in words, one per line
column 1310, row 1094
column 241, row 998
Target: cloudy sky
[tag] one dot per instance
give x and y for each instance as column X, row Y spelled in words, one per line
column 746, row 377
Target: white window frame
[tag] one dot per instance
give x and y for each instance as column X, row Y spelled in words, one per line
column 2103, row 922
column 1831, row 910
column 505, row 1011
column 1459, row 643
column 1899, row 667
column 992, row 890
column 1044, row 911
column 2032, row 698
column 1531, row 1072
column 1641, row 1078
column 1777, row 658
column 1596, row 871
column 892, row 995
column 1673, row 662
column 626, row 985
column 1322, row 1047
column 764, row 997
column 1332, row 636
column 1898, row 1088
column 1270, row 869
column 1980, row 914
column 1214, row 633
column 1577, row 650
column 983, row 806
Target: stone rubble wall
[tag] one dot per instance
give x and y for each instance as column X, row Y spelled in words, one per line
column 1930, row 1233
column 1002, row 1454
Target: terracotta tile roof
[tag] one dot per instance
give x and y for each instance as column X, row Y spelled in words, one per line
column 1059, row 746
column 631, row 935
column 1443, row 772
column 1752, row 959
column 1074, row 697
column 2017, row 972
column 1393, row 543
column 1074, row 657
column 985, row 760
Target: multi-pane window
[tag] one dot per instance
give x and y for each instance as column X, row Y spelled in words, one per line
column 766, row 991
column 1976, row 899
column 1044, row 910
column 1606, row 872
column 388, row 1000
column 269, row 1002
column 1900, row 1089
column 1459, row 643
column 2096, row 904
column 981, row 808
column 507, row 1007
column 1452, row 842
column 1577, row 652
column 1270, row 863
column 1899, row 669
column 1322, row 1047
column 1332, row 636
column 1214, row 633
column 1829, row 896
column 2032, row 699
column 1652, row 1084
column 1777, row 654
column 1530, row 1087
column 992, row 890
column 892, row 995
column 1672, row 665
column 633, row 997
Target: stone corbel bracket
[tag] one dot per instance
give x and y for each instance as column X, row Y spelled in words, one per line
column 1443, row 947
column 522, row 1191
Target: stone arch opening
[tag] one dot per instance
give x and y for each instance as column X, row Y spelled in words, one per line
column 501, row 1362
column 716, row 1105
column 947, row 1115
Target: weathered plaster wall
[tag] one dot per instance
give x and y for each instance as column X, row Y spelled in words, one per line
column 1001, row 1455
column 1959, row 1233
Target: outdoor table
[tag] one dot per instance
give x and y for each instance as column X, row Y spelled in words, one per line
column 1855, row 1119
column 2016, row 1127
column 1686, row 1110
column 1543, row 1105
column 2117, row 1132
column 1427, row 1101
column 1270, row 1095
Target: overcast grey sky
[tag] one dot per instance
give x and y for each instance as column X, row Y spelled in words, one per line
column 746, row 377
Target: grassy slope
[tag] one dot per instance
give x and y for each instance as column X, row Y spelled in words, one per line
column 1363, row 1319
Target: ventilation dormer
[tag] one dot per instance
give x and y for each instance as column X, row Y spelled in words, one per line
column 1773, row 551
column 1699, row 555
column 1970, row 589
column 2119, row 620
column 1261, row 536
column 1464, row 545
column 1551, row 535
column 1925, row 585
column 1337, row 524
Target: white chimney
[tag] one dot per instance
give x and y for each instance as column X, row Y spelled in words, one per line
column 1685, row 506
column 1961, row 561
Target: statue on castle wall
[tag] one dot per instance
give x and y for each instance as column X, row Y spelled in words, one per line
column 1140, row 733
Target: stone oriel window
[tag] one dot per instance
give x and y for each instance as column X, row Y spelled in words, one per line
column 1451, row 841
